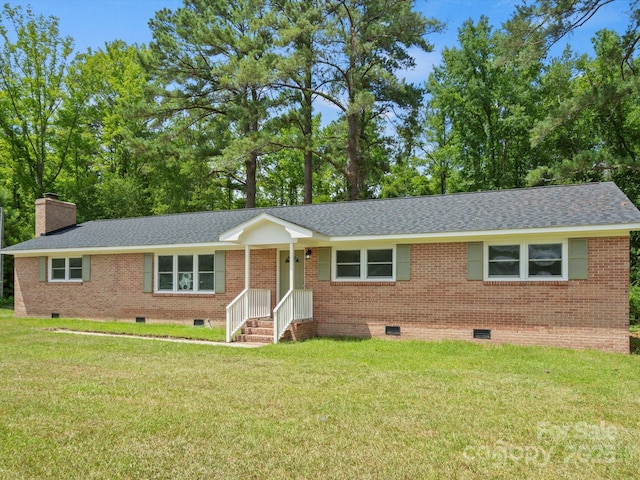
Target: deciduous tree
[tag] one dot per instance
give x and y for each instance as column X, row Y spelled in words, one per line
column 35, row 127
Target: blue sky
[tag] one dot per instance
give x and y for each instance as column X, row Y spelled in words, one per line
column 91, row 23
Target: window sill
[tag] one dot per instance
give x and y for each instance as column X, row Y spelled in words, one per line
column 184, row 295
column 65, row 282
column 363, row 283
column 523, row 283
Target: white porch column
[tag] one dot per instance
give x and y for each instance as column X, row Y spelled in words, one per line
column 292, row 266
column 247, row 266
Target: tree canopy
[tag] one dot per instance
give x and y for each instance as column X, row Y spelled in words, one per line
column 227, row 107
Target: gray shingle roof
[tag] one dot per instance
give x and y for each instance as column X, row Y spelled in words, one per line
column 542, row 207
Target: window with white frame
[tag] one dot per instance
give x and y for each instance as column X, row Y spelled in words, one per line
column 65, row 269
column 533, row 260
column 185, row 273
column 364, row 264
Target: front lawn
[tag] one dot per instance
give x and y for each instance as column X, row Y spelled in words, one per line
column 107, row 407
column 215, row 334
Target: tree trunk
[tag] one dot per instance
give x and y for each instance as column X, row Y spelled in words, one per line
column 308, row 176
column 353, row 160
column 250, row 165
column 307, row 131
column 307, row 118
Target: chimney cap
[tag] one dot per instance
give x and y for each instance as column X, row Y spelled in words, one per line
column 54, row 196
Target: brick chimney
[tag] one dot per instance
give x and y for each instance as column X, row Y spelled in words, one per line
column 52, row 214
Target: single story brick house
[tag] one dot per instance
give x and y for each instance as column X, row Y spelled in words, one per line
column 534, row 266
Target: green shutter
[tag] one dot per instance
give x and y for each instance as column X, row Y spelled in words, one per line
column 42, row 269
column 578, row 259
column 86, row 268
column 474, row 261
column 147, row 273
column 219, row 261
column 403, row 262
column 324, row 263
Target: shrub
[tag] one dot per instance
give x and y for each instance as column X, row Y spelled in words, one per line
column 634, row 305
column 6, row 302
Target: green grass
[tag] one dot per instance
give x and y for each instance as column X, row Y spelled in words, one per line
column 216, row 334
column 109, row 407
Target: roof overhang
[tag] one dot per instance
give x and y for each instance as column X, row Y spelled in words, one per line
column 112, row 250
column 471, row 235
column 268, row 230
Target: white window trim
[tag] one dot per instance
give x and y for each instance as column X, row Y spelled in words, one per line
column 363, row 264
column 524, row 261
column 66, row 278
column 176, row 290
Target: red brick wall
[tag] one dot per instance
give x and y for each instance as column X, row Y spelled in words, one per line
column 437, row 303
column 263, row 272
column 440, row 303
column 115, row 291
column 52, row 214
column 302, row 330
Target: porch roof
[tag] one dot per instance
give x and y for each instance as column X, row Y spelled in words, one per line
column 553, row 207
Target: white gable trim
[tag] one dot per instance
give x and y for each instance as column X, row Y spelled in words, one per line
column 264, row 221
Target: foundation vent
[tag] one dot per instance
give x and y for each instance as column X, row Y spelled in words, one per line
column 391, row 330
column 482, row 333
column 141, row 319
column 198, row 322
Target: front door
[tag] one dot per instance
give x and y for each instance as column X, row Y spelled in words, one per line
column 283, row 263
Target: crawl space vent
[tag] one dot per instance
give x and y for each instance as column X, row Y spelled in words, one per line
column 55, row 315
column 391, row 330
column 481, row 333
column 140, row 320
column 198, row 322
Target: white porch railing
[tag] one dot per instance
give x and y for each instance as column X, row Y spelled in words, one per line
column 295, row 305
column 251, row 303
